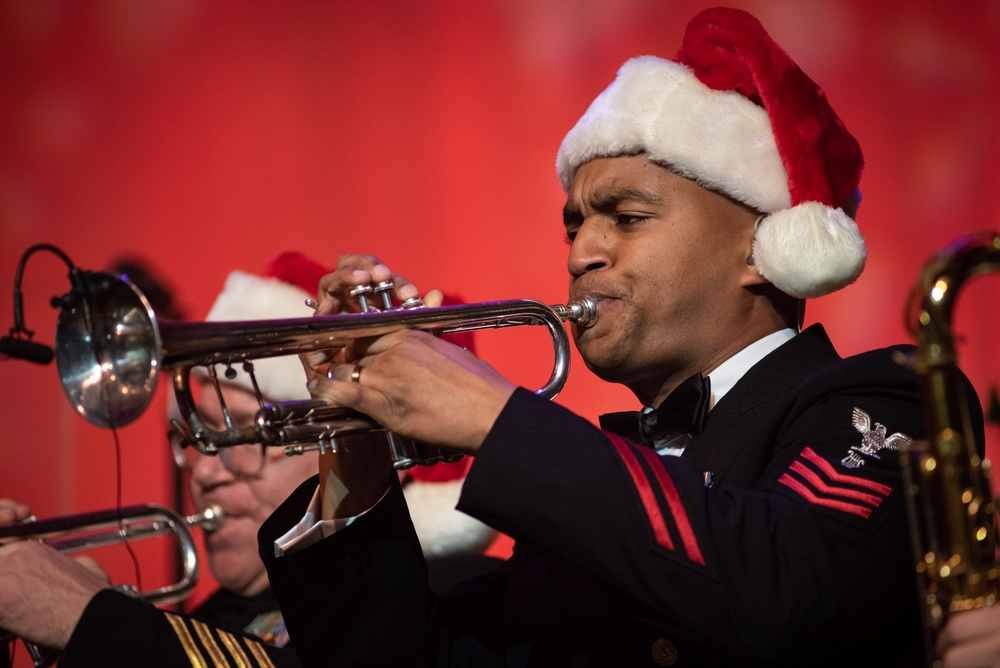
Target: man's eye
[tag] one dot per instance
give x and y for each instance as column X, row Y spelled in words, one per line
column 627, row 219
column 570, row 237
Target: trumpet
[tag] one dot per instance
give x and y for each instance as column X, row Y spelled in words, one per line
column 73, row 533
column 110, row 348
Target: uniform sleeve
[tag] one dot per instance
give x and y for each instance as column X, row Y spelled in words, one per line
column 358, row 597
column 361, row 596
column 117, row 630
column 815, row 540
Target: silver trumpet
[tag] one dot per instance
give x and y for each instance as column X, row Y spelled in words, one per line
column 110, row 348
column 85, row 531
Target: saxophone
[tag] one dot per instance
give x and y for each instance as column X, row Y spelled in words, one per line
column 951, row 510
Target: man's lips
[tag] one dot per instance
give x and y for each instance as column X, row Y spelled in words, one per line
column 596, row 294
column 604, row 300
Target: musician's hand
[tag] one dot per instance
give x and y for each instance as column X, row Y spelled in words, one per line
column 354, row 270
column 419, row 386
column 43, row 592
column 971, row 639
column 11, row 511
column 334, row 297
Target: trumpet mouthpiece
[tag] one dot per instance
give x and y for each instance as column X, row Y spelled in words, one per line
column 209, row 519
column 583, row 311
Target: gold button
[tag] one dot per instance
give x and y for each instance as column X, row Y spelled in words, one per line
column 664, row 652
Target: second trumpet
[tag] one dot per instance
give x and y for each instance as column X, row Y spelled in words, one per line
column 86, row 531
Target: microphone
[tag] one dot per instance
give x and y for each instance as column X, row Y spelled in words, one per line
column 39, row 353
column 23, row 348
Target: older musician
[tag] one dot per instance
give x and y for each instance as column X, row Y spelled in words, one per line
column 86, row 619
column 751, row 514
column 48, row 598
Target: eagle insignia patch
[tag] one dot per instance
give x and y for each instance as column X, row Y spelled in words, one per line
column 873, row 439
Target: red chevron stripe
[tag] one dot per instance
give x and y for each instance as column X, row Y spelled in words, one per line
column 641, row 483
column 676, row 507
column 807, row 494
column 822, row 487
column 811, row 455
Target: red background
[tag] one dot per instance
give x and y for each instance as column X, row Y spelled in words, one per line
column 204, row 137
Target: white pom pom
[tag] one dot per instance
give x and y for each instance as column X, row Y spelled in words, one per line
column 442, row 529
column 809, row 250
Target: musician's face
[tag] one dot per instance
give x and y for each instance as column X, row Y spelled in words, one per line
column 668, row 261
column 246, row 500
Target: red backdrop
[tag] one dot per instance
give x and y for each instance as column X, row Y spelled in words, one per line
column 205, row 137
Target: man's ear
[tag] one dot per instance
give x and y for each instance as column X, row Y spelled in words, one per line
column 751, row 276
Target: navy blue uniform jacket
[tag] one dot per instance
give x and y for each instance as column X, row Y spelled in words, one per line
column 798, row 555
column 117, row 630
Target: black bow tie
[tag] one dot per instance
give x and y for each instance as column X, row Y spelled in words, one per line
column 672, row 423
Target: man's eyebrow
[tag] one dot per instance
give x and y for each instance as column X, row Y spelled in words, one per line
column 602, row 201
column 608, row 200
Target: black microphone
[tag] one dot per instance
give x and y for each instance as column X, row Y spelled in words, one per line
column 39, row 353
column 23, row 348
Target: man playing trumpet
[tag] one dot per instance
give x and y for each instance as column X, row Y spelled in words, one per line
column 752, row 514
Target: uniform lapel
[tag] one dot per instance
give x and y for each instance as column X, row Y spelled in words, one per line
column 755, row 402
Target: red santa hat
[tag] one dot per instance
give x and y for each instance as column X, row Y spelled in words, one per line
column 736, row 114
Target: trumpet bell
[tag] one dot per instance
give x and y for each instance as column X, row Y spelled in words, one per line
column 108, row 358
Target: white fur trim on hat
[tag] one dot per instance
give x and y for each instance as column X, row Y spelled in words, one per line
column 809, row 250
column 441, row 529
column 248, row 297
column 720, row 139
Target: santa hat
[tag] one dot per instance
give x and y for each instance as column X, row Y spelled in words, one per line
column 279, row 294
column 736, row 114
column 431, row 491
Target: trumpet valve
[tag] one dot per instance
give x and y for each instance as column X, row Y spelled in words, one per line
column 412, row 302
column 384, row 291
column 361, row 294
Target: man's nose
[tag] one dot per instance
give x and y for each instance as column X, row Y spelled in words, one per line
column 591, row 248
column 207, row 470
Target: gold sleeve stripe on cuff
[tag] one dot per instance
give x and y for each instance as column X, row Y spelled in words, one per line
column 208, row 641
column 236, row 647
column 258, row 651
column 232, row 644
column 187, row 642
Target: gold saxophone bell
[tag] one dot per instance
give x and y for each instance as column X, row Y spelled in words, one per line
column 110, row 348
column 85, row 531
column 951, row 509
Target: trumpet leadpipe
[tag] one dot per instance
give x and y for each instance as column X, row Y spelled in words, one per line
column 72, row 533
